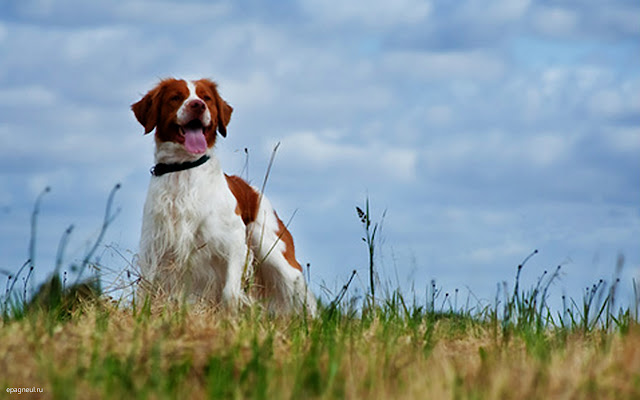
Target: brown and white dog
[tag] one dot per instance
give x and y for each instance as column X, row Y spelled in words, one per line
column 202, row 230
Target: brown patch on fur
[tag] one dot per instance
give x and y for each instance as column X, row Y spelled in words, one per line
column 248, row 199
column 248, row 203
column 289, row 252
column 158, row 108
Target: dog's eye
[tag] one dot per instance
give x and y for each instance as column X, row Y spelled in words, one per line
column 175, row 97
column 207, row 98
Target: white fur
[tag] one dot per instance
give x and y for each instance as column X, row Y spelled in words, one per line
column 184, row 114
column 192, row 240
column 283, row 284
column 193, row 243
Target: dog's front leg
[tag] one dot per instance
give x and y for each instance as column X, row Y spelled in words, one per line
column 232, row 294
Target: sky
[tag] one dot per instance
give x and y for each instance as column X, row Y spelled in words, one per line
column 480, row 130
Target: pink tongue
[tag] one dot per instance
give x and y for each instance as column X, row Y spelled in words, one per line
column 194, row 140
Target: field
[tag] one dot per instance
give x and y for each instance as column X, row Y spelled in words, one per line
column 69, row 341
column 103, row 350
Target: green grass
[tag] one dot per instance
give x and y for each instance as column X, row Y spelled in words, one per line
column 76, row 343
column 103, row 350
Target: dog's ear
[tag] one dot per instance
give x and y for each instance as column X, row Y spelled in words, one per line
column 223, row 109
column 146, row 110
column 224, row 115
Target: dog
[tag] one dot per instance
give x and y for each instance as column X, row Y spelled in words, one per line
column 205, row 234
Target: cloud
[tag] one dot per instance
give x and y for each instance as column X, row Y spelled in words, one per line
column 485, row 129
column 4, row 32
column 435, row 66
column 615, row 100
column 439, row 114
column 80, row 13
column 372, row 159
column 555, row 21
column 586, row 19
column 27, row 96
column 499, row 153
column 500, row 11
column 492, row 254
column 169, row 12
column 625, row 140
column 372, row 14
column 256, row 90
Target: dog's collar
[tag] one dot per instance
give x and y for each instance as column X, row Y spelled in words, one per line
column 162, row 168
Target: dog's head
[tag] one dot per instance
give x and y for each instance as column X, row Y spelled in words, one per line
column 184, row 112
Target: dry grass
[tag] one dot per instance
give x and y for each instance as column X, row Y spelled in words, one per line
column 169, row 352
column 379, row 349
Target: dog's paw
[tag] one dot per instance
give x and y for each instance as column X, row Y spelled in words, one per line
column 234, row 299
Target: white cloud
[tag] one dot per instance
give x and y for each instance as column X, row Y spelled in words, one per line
column 256, row 90
column 82, row 44
column 499, row 251
column 613, row 99
column 624, row 140
column 78, row 12
column 545, row 150
column 434, row 66
column 4, row 32
column 588, row 77
column 27, row 96
column 373, row 158
column 625, row 19
column 495, row 11
column 439, row 115
column 498, row 150
column 586, row 19
column 61, row 179
column 37, row 8
column 6, row 196
column 606, row 102
column 158, row 12
column 553, row 80
column 555, row 21
column 373, row 13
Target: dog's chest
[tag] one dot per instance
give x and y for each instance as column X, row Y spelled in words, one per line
column 191, row 210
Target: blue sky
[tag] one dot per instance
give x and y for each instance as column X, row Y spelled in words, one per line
column 485, row 129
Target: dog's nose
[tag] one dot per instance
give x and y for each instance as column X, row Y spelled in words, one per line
column 196, row 106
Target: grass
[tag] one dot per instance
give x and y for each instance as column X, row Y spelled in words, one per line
column 75, row 344
column 104, row 350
